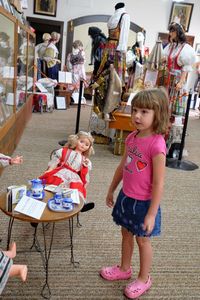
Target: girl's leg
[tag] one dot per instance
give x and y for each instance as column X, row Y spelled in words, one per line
column 127, row 249
column 146, row 255
column 11, row 253
column 18, row 270
column 124, row 271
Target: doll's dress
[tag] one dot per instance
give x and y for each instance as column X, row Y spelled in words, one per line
column 69, row 170
column 5, row 265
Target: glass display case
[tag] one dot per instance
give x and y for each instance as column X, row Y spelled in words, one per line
column 7, row 67
column 17, row 47
column 25, row 65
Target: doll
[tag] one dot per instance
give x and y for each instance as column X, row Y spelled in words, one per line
column 70, row 165
column 8, row 269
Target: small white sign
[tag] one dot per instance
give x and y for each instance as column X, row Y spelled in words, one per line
column 61, row 103
column 64, row 77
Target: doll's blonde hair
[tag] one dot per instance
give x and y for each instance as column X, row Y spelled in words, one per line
column 156, row 99
column 73, row 139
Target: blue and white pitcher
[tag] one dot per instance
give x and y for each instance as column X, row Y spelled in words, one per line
column 37, row 187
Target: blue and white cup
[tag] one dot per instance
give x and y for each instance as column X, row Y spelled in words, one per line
column 58, row 198
column 67, row 203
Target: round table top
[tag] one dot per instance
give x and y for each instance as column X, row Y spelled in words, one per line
column 47, row 216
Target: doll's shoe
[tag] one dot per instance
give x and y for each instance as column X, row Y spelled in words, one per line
column 87, row 206
column 136, row 288
column 114, row 273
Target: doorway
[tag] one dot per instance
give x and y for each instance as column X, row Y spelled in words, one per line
column 77, row 29
column 44, row 25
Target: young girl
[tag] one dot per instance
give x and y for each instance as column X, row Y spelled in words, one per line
column 141, row 169
column 7, row 269
column 70, row 165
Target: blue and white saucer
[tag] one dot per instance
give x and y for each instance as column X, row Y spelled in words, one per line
column 40, row 197
column 63, row 206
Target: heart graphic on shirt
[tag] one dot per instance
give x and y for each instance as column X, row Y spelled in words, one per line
column 141, row 165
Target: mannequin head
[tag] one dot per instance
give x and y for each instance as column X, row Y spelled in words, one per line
column 46, row 37
column 176, row 33
column 77, row 44
column 140, row 37
column 94, row 31
column 55, row 37
column 119, row 5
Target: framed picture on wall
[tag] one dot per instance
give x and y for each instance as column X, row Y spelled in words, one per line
column 45, row 7
column 181, row 13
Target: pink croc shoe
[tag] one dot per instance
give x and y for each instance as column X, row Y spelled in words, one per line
column 136, row 288
column 114, row 273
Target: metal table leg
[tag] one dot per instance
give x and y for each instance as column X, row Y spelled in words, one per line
column 71, row 233
column 78, row 224
column 36, row 243
column 46, row 292
column 10, row 225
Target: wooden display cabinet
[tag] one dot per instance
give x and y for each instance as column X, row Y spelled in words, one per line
column 121, row 121
column 17, row 43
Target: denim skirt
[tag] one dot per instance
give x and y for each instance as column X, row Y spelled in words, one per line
column 130, row 214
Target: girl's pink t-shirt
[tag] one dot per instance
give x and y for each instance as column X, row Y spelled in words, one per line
column 138, row 168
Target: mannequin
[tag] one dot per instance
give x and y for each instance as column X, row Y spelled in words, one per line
column 98, row 43
column 135, row 69
column 179, row 56
column 139, row 46
column 76, row 65
column 116, row 46
column 51, row 56
column 197, row 85
column 39, row 53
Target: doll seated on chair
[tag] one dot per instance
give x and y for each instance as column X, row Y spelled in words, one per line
column 70, row 165
column 8, row 269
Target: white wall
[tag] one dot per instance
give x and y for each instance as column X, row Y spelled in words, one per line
column 152, row 15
